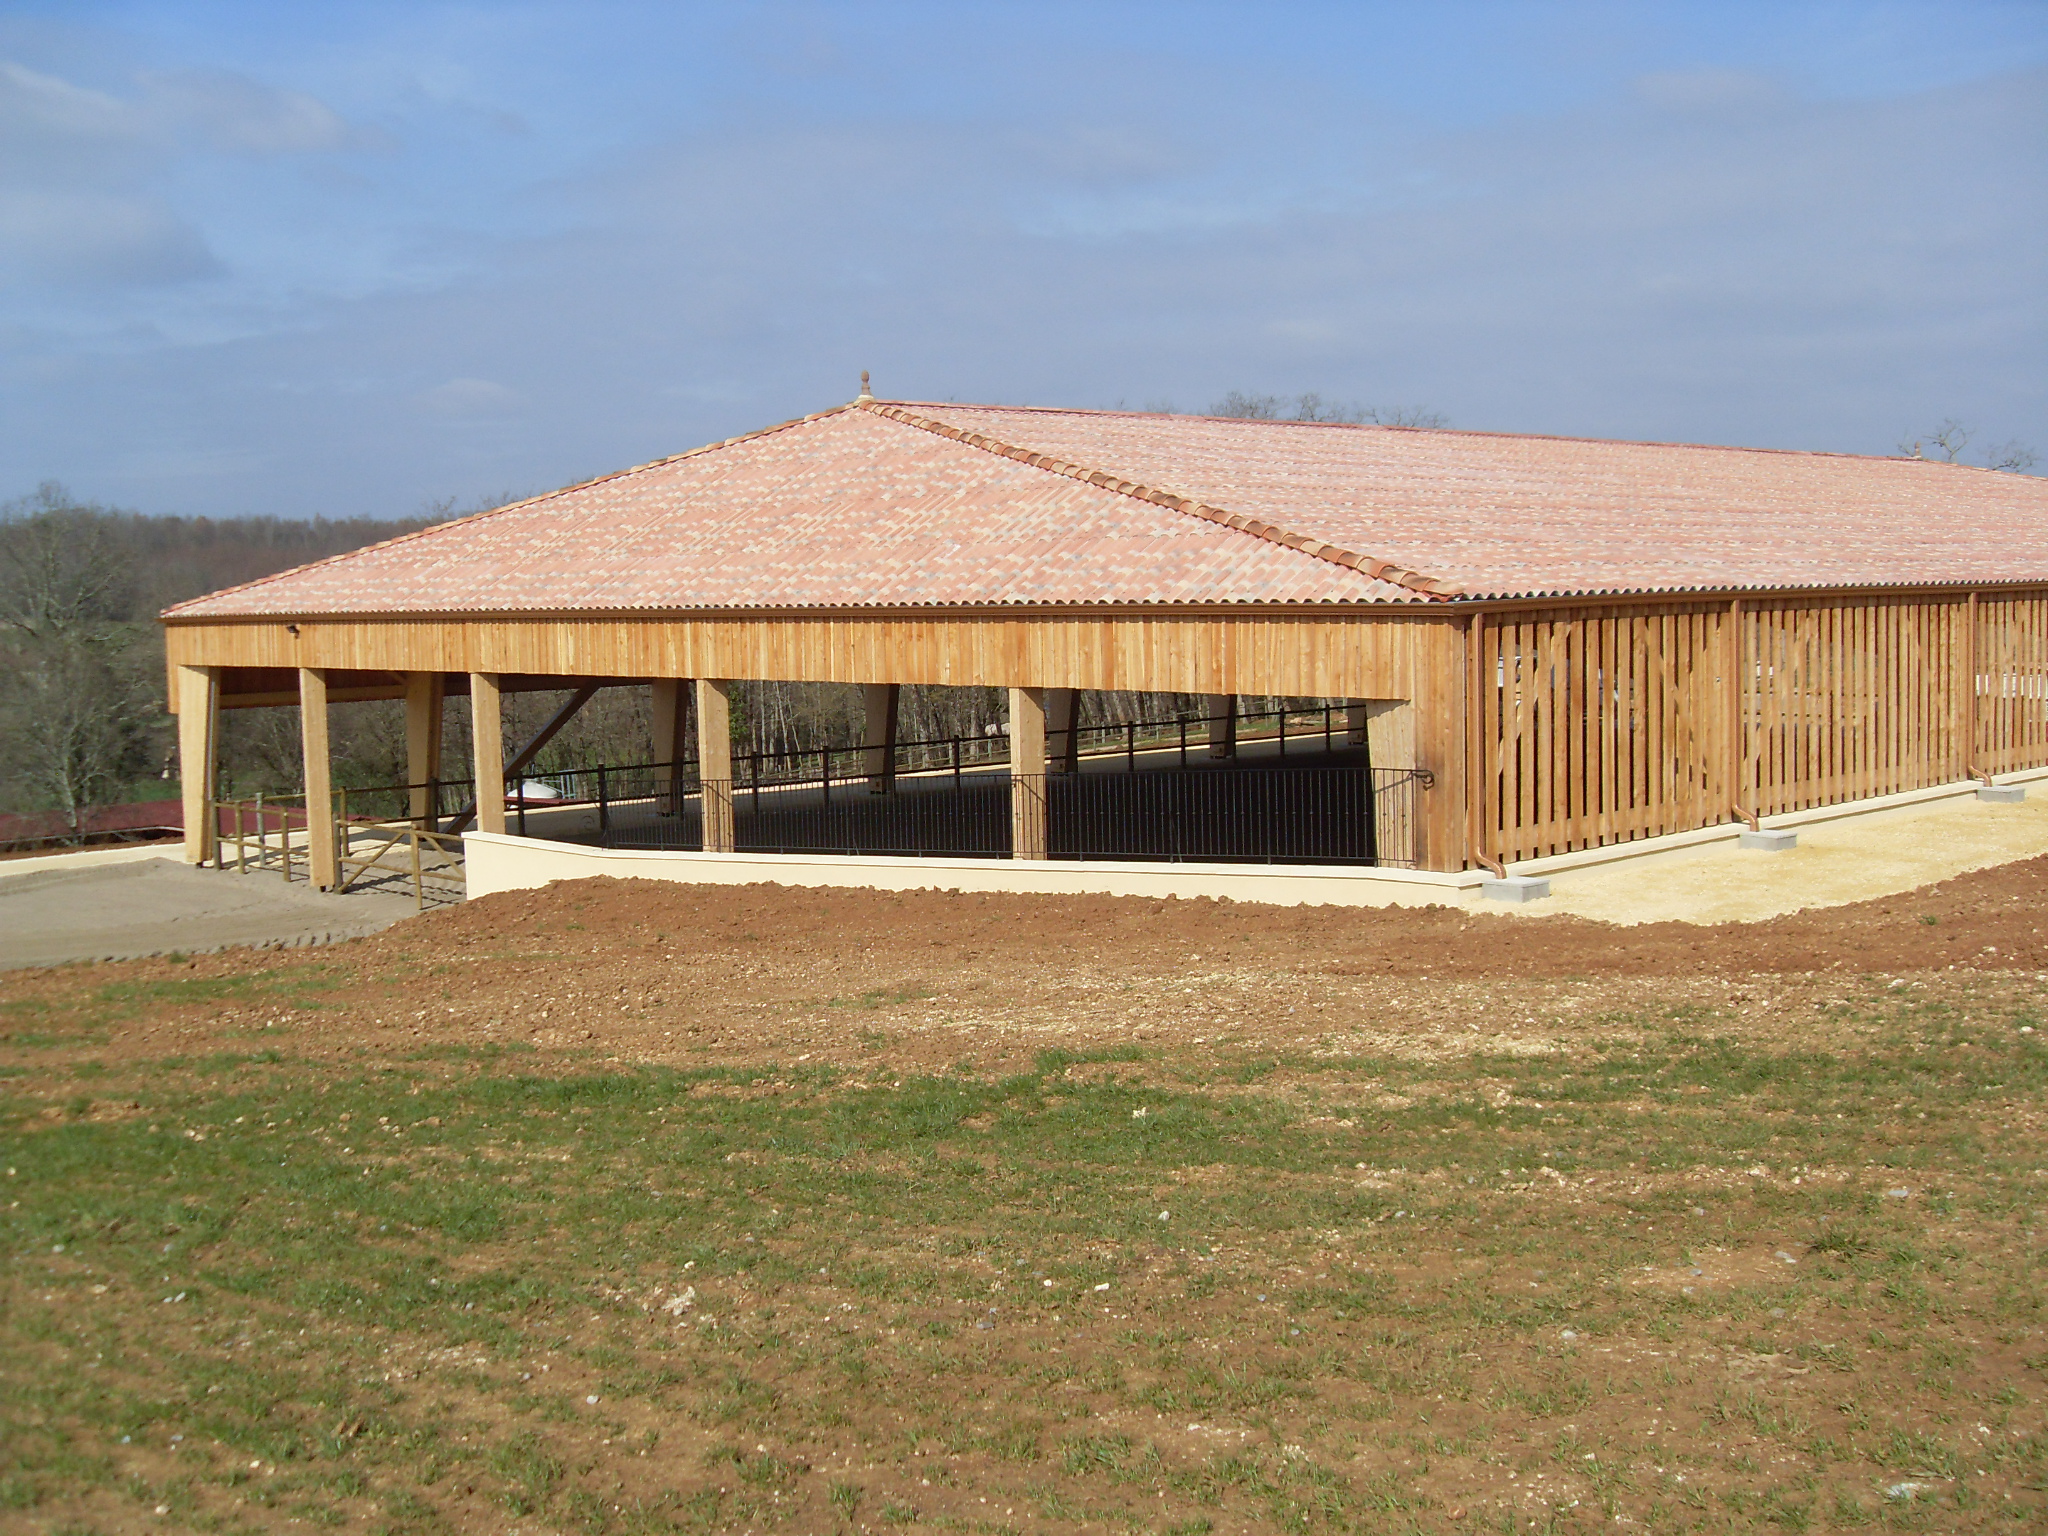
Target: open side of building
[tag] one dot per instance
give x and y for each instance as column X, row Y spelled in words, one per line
column 1560, row 644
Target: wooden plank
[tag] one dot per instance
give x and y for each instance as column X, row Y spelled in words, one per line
column 198, row 737
column 1219, row 716
column 714, row 761
column 1327, row 655
column 880, row 704
column 487, row 744
column 423, row 700
column 323, row 848
column 669, row 737
column 1028, row 829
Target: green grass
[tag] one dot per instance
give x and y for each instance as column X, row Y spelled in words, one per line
column 397, row 1290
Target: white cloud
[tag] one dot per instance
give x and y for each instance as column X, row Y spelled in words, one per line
column 233, row 114
column 84, row 238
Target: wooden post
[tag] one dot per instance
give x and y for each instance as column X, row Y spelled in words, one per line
column 670, row 707
column 1972, row 666
column 1221, row 709
column 1356, row 719
column 878, row 735
column 423, row 692
column 198, row 739
column 487, row 739
column 323, row 849
column 1063, row 741
column 1027, row 773
column 714, row 761
column 1736, row 739
column 1473, row 778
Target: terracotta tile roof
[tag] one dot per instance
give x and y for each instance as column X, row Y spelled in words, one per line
column 898, row 505
column 1493, row 514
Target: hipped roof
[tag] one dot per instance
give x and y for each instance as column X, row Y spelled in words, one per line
column 894, row 505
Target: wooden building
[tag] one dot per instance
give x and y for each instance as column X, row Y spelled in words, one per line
column 1577, row 642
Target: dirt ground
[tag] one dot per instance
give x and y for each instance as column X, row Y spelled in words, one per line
column 999, row 1213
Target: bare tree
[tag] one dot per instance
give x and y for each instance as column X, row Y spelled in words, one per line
column 61, row 572
column 75, row 719
column 1950, row 439
column 1313, row 407
column 74, row 715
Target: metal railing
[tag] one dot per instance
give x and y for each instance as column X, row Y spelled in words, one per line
column 945, row 795
column 1280, row 814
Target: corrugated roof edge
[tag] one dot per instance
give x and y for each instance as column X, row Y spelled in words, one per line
column 1380, row 570
column 510, row 506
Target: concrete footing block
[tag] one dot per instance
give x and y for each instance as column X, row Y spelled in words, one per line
column 1515, row 888
column 1767, row 840
column 2002, row 794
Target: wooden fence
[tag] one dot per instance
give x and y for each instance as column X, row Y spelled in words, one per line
column 1607, row 725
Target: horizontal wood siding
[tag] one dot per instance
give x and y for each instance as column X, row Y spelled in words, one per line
column 1307, row 654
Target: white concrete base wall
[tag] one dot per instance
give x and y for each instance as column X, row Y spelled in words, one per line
column 500, row 863
column 1847, row 854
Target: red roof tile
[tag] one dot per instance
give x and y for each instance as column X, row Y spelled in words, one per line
column 883, row 505
column 1494, row 514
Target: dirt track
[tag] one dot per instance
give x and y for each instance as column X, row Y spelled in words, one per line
column 651, row 971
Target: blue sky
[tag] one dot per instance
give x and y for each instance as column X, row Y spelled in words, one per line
column 356, row 259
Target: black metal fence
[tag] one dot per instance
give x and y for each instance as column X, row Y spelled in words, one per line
column 1201, row 815
column 1166, row 800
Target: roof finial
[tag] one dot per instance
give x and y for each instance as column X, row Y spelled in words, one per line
column 865, row 393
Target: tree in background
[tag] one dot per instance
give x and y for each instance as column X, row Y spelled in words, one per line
column 1950, row 439
column 74, row 715
column 1313, row 407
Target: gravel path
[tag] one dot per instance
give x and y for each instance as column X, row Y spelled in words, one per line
column 157, row 906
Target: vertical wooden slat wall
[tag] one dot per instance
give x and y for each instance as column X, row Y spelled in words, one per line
column 1603, row 726
column 2012, row 682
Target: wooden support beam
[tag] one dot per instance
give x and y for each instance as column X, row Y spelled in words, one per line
column 1385, row 728
column 1063, row 741
column 878, row 734
column 323, row 848
column 714, row 761
column 487, row 742
column 1027, row 773
column 1221, row 710
column 423, row 697
column 198, row 738
column 670, row 707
